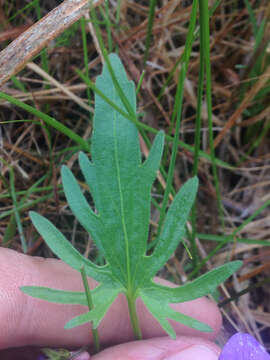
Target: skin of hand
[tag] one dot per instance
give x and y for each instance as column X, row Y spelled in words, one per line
column 28, row 322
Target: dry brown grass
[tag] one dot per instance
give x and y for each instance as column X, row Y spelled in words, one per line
column 241, row 109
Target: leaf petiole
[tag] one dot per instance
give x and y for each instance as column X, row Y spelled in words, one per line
column 133, row 316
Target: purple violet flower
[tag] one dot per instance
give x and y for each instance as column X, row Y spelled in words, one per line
column 243, row 347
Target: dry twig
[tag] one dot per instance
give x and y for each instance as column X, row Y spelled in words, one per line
column 14, row 57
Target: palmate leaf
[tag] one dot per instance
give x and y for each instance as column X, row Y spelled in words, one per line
column 120, row 184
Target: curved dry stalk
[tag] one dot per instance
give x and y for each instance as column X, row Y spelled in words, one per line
column 14, row 57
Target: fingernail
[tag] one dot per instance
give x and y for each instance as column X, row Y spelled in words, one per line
column 196, row 352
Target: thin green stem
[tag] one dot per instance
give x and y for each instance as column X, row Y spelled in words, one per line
column 198, row 117
column 15, row 218
column 85, row 55
column 48, row 120
column 133, row 317
column 140, row 82
column 16, row 212
column 237, row 295
column 22, row 10
column 150, row 23
column 205, row 46
column 26, row 206
column 230, row 238
column 118, row 11
column 208, row 257
column 196, row 156
column 91, row 307
column 84, row 145
column 196, row 34
column 108, row 25
column 177, row 111
column 227, row 239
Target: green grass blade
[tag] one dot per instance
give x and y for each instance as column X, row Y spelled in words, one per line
column 85, row 54
column 194, row 252
column 16, row 212
column 180, row 59
column 231, row 238
column 48, row 120
column 205, row 47
column 252, row 17
column 177, row 112
column 150, row 23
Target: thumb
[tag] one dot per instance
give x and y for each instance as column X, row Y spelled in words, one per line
column 163, row 348
column 195, row 352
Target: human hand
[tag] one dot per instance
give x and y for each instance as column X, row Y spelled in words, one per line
column 29, row 322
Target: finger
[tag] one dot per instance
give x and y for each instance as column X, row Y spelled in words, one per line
column 28, row 321
column 183, row 348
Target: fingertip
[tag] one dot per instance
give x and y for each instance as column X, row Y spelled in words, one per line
column 196, row 352
column 83, row 356
column 163, row 348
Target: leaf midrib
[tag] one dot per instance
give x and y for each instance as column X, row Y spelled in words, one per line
column 121, row 202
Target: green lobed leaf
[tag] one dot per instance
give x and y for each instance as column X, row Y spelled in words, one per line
column 120, row 184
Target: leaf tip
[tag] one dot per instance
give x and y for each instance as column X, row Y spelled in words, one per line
column 68, row 326
column 206, row 328
column 81, row 155
column 71, row 323
column 161, row 133
column 28, row 290
column 33, row 216
column 195, row 180
column 64, row 170
column 236, row 264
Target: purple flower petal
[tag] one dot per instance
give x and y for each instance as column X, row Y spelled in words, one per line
column 243, row 347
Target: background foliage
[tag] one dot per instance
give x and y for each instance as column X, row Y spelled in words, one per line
column 151, row 36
